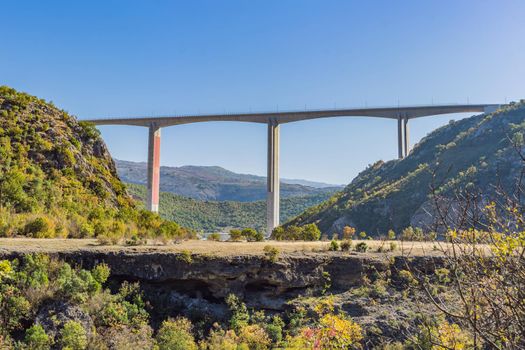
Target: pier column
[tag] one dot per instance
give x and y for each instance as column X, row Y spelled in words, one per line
column 400, row 142
column 272, row 201
column 406, row 133
column 153, row 168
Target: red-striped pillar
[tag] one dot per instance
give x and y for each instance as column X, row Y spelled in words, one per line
column 153, row 168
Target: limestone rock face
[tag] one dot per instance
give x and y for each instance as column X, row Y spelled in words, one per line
column 52, row 317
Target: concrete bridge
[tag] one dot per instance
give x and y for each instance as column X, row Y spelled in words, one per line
column 273, row 120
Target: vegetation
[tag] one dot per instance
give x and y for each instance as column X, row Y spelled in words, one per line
column 476, row 151
column 58, row 180
column 308, row 232
column 99, row 319
column 214, row 216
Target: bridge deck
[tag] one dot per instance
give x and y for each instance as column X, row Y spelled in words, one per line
column 409, row 112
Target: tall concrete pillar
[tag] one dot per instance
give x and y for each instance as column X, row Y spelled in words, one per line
column 272, row 201
column 153, row 168
column 400, row 146
column 406, row 133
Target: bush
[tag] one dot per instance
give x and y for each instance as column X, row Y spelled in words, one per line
column 255, row 337
column 36, row 338
column 73, row 336
column 391, row 235
column 311, row 232
column 185, row 255
column 135, row 240
column 240, row 315
column 176, row 335
column 406, row 279
column 361, row 247
column 348, row 232
column 40, row 227
column 393, row 246
column 271, row 253
column 216, row 237
column 346, row 245
column 334, row 246
column 235, row 235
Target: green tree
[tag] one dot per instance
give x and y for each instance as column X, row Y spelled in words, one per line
column 36, row 338
column 310, row 232
column 235, row 235
column 176, row 335
column 73, row 336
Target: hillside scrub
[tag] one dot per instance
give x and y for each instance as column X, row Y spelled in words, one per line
column 46, row 303
column 393, row 195
column 212, row 216
column 57, row 178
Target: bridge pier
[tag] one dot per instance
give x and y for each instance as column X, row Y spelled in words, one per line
column 406, row 134
column 400, row 138
column 153, row 168
column 272, row 201
column 403, row 137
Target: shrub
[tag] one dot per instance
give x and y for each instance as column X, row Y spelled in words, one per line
column 361, row 247
column 240, row 315
column 73, row 336
column 346, row 245
column 249, row 234
column 362, row 234
column 235, row 235
column 393, row 246
column 334, row 246
column 391, row 235
column 348, row 232
column 185, row 255
column 216, row 237
column 271, row 253
column 219, row 339
column 135, row 240
column 406, row 279
column 255, row 337
column 275, row 329
column 311, row 232
column 176, row 335
column 40, row 227
column 36, row 338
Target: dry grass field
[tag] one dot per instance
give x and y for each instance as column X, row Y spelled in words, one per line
column 212, row 248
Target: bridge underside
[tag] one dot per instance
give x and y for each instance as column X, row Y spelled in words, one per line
column 273, row 120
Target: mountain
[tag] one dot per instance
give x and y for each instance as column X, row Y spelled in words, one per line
column 57, row 178
column 217, row 184
column 476, row 152
column 215, row 216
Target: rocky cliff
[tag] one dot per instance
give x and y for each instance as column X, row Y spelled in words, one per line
column 196, row 287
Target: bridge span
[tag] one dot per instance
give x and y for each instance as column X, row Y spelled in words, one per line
column 273, row 120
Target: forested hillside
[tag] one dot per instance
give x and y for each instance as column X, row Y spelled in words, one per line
column 57, row 178
column 480, row 151
column 217, row 184
column 217, row 215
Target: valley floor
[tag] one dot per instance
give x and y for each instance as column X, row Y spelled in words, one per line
column 26, row 245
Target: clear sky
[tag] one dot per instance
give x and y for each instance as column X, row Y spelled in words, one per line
column 133, row 58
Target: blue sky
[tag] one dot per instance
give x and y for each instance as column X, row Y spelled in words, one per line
column 127, row 58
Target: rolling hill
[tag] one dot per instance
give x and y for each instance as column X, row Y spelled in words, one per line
column 220, row 215
column 474, row 152
column 218, row 184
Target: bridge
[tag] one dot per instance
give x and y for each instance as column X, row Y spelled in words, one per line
column 273, row 120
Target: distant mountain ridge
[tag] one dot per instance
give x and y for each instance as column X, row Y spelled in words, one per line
column 476, row 152
column 216, row 183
